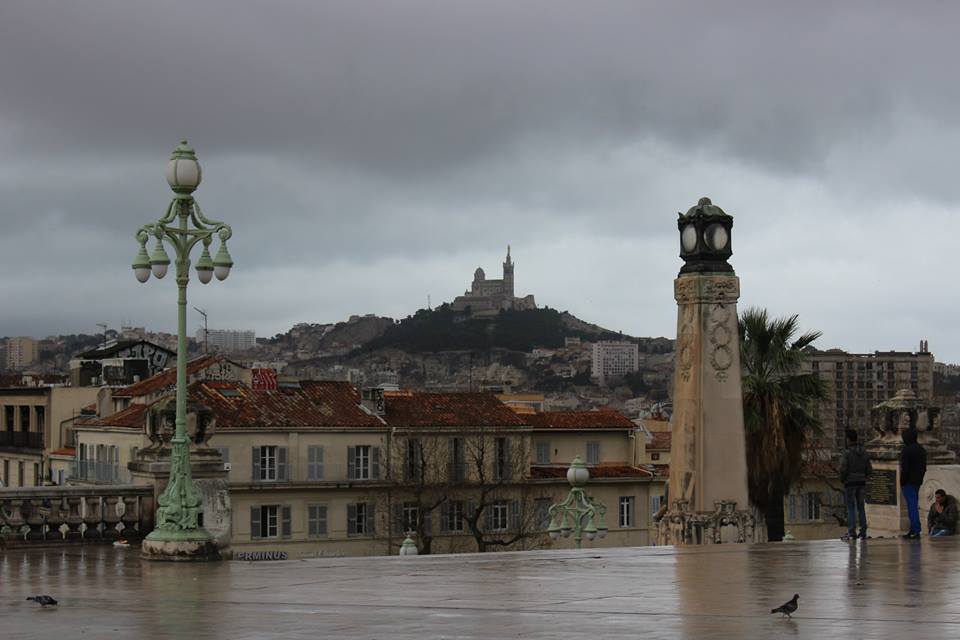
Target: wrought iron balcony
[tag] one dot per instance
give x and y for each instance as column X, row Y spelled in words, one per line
column 22, row 439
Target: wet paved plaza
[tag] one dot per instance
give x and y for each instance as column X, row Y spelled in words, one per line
column 879, row 589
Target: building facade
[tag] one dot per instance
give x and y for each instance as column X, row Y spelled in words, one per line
column 612, row 360
column 859, row 381
column 21, row 352
column 227, row 340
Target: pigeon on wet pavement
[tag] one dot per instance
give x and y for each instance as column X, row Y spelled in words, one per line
column 43, row 600
column 787, row 607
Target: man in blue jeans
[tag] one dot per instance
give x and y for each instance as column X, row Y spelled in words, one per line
column 855, row 468
column 913, row 466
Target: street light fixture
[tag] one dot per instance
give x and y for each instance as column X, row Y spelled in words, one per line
column 578, row 514
column 177, row 533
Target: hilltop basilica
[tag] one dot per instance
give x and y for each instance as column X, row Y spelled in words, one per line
column 488, row 297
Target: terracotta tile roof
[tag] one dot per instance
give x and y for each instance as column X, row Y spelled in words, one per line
column 600, row 471
column 449, row 410
column 310, row 404
column 65, row 451
column 603, row 419
column 164, row 379
column 132, row 418
column 661, row 441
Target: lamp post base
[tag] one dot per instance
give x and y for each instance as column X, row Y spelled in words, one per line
column 196, row 545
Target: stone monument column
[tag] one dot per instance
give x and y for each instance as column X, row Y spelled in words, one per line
column 708, row 467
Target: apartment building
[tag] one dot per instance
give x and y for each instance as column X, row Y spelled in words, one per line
column 860, row 381
column 21, row 352
column 614, row 360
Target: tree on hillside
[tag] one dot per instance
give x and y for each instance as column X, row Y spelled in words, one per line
column 779, row 404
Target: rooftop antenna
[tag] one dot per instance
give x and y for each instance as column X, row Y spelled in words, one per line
column 103, row 325
column 205, row 332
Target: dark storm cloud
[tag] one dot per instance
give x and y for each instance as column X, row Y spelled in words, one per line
column 370, row 153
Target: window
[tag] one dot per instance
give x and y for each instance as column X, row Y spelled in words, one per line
column 20, row 474
column 541, row 513
column 269, row 521
column 412, row 459
column 655, row 503
column 363, row 462
column 270, row 464
column 360, row 519
column 40, row 416
column 9, row 417
column 593, row 453
column 804, row 507
column 317, row 520
column 411, row 513
column 315, row 464
column 224, row 453
column 543, row 453
column 498, row 516
column 655, row 455
column 626, row 511
column 24, row 418
column 501, row 460
column 6, row 473
column 458, row 466
column 451, row 517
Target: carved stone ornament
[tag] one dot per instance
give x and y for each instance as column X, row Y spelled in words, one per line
column 679, row 526
column 721, row 355
column 723, row 289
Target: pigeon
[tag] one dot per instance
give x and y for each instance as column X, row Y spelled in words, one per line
column 787, row 607
column 44, row 601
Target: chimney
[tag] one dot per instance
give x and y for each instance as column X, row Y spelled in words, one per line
column 373, row 400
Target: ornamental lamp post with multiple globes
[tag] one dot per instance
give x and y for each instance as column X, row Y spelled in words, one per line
column 177, row 534
column 705, row 238
column 578, row 514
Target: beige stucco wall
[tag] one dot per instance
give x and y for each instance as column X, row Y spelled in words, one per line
column 564, row 446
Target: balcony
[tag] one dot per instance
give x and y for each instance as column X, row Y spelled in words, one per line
column 21, row 439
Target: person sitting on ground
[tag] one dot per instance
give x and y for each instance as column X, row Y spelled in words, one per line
column 942, row 519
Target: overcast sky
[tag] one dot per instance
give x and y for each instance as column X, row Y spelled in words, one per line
column 369, row 154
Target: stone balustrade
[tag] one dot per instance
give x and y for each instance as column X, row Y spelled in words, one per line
column 55, row 514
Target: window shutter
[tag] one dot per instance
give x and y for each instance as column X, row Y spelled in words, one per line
column 319, row 454
column 444, row 517
column 351, row 463
column 451, row 460
column 351, row 519
column 371, row 521
column 515, row 515
column 427, row 523
column 285, row 521
column 322, row 521
column 507, row 460
column 254, row 522
column 256, row 464
column 398, row 523
column 488, row 518
column 311, row 463
column 283, row 469
column 312, row 520
column 792, row 507
column 375, row 462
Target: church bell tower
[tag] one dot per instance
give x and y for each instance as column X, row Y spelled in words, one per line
column 508, row 274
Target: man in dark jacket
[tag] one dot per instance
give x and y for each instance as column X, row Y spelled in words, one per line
column 942, row 519
column 855, row 468
column 913, row 466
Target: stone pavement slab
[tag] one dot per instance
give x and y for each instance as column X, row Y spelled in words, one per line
column 877, row 589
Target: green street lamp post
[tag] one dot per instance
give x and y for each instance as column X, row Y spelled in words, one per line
column 578, row 514
column 177, row 533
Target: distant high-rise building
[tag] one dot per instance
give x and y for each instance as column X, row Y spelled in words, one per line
column 21, row 352
column 227, row 340
column 860, row 381
column 614, row 359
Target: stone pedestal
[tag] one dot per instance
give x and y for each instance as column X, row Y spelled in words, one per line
column 886, row 509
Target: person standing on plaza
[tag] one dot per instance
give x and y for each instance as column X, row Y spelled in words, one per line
column 855, row 468
column 913, row 466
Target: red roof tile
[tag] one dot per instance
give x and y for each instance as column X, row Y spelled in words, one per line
column 661, row 470
column 603, row 419
column 600, row 471
column 165, row 379
column 661, row 441
column 132, row 417
column 407, row 409
column 311, row 404
column 65, row 451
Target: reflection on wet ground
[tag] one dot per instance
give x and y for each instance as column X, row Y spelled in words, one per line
column 877, row 589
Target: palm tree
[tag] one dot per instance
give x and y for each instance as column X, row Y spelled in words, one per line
column 778, row 409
